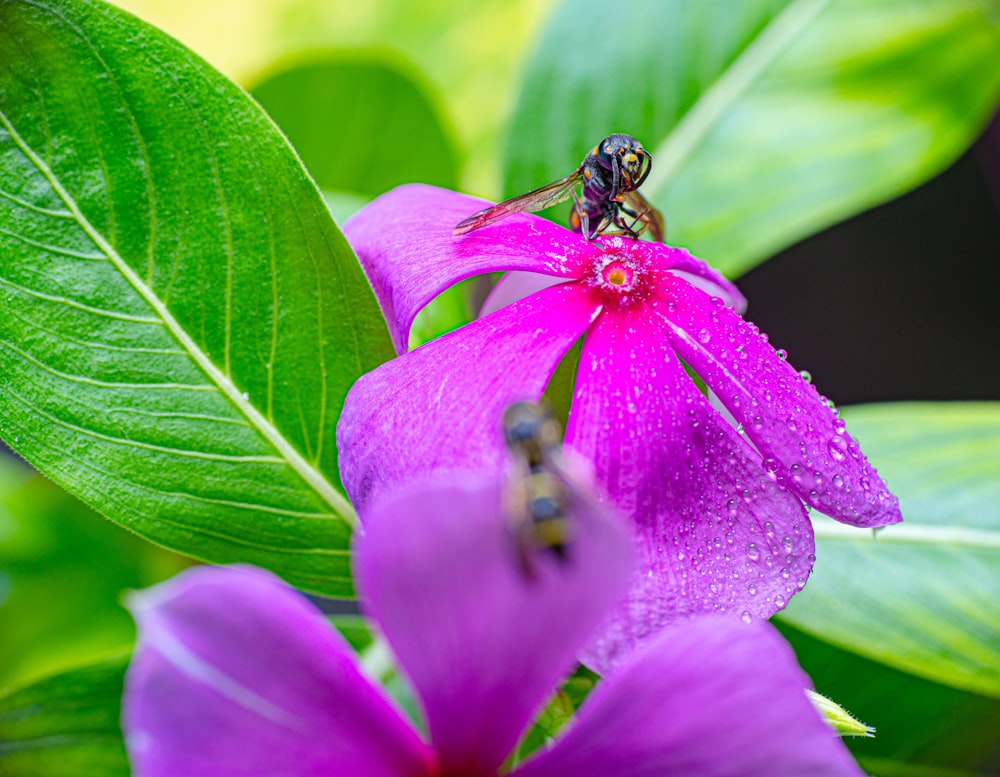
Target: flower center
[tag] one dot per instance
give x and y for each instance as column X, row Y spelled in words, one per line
column 619, row 276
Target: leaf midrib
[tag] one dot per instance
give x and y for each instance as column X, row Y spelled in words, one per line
column 912, row 534
column 699, row 120
column 221, row 380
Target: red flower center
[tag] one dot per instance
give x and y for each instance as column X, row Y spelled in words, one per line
column 620, row 278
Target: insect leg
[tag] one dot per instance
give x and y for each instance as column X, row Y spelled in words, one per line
column 618, row 219
column 580, row 219
column 616, row 178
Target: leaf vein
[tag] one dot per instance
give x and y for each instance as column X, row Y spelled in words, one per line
column 84, row 432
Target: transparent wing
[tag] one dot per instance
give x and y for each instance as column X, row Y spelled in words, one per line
column 647, row 214
column 537, row 199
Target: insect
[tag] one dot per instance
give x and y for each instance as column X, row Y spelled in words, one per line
column 537, row 494
column 608, row 202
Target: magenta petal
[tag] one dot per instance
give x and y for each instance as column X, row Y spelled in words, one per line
column 235, row 674
column 484, row 644
column 708, row 697
column 713, row 532
column 463, row 380
column 405, row 244
column 803, row 441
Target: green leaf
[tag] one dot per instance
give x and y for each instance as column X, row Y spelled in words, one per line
column 557, row 713
column 361, row 125
column 65, row 726
column 355, row 629
column 922, row 728
column 768, row 120
column 63, row 570
column 843, row 722
column 181, row 317
column 922, row 596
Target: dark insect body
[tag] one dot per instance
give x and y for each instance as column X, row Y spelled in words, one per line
column 608, row 202
column 537, row 493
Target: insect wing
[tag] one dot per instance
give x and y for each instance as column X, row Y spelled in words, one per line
column 535, row 200
column 647, row 214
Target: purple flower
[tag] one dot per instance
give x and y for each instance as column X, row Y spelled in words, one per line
column 236, row 675
column 719, row 515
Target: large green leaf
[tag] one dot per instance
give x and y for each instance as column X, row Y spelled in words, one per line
column 767, row 119
column 360, row 125
column 922, row 729
column 181, row 318
column 65, row 726
column 923, row 596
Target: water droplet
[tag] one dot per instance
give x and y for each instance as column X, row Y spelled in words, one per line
column 246, row 395
column 729, row 537
column 837, row 480
column 752, row 589
column 792, row 426
column 779, row 601
column 785, row 574
column 806, row 376
column 753, row 552
column 746, row 617
column 782, row 354
column 704, row 336
column 837, row 447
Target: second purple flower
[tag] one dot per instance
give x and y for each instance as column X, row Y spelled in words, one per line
column 719, row 512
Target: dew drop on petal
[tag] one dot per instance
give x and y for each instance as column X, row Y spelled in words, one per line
column 779, row 601
column 782, row 354
column 704, row 336
column 806, row 376
column 746, row 617
column 837, row 447
column 753, row 551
